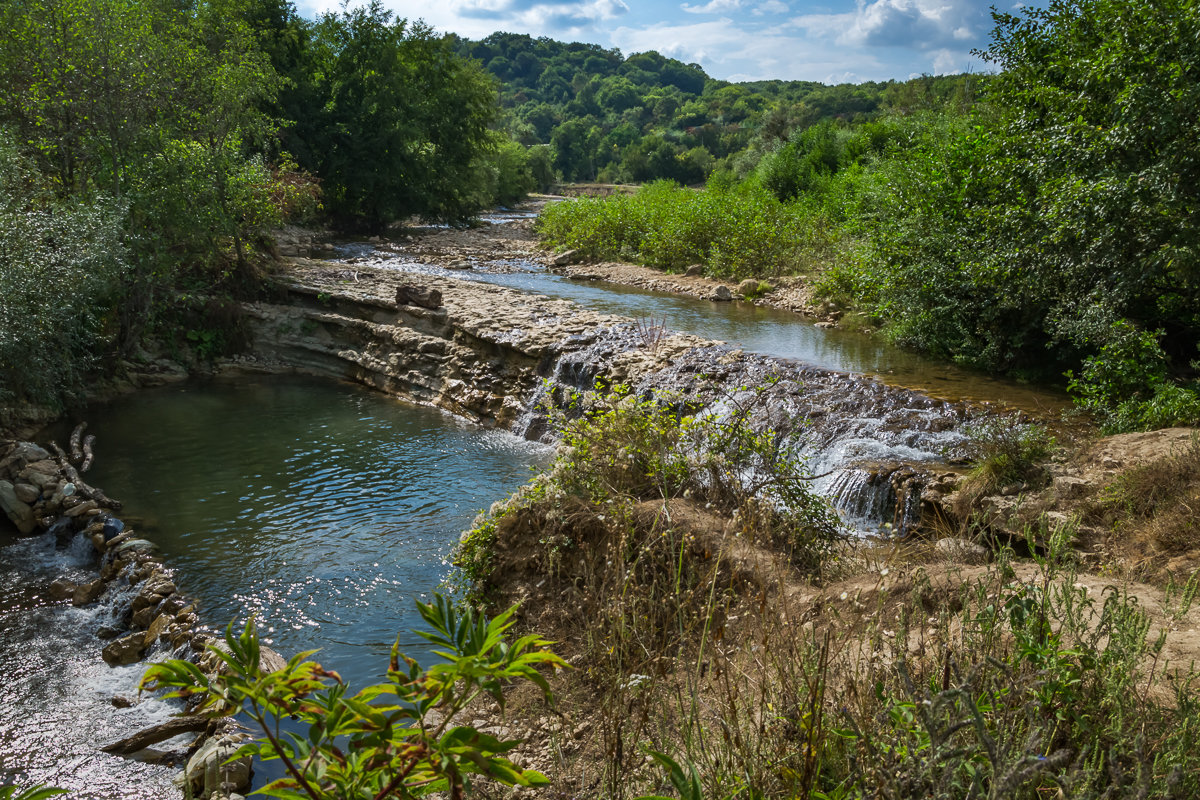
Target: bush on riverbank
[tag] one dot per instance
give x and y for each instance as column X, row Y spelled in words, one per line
column 736, row 232
column 624, row 450
column 61, row 266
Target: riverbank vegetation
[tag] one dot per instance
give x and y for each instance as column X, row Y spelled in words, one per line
column 147, row 150
column 400, row 739
column 894, row 669
column 1044, row 229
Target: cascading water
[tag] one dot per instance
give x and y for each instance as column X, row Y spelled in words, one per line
column 56, row 702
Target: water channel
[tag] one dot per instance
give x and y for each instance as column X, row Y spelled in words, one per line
column 322, row 508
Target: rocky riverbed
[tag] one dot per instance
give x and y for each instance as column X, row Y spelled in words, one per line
column 43, row 494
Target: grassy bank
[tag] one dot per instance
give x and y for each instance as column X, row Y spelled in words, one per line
column 895, row 670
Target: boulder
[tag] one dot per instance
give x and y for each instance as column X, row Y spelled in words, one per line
column 567, row 257
column 126, row 650
column 20, row 513
column 62, row 588
column 460, row 264
column 210, row 771
column 21, row 455
column 88, row 592
column 157, row 627
column 211, row 664
column 962, row 550
column 721, row 294
column 694, row 271
column 26, row 492
column 418, row 296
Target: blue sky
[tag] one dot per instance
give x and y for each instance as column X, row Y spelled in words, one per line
column 833, row 42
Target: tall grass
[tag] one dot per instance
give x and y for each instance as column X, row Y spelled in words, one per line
column 736, row 232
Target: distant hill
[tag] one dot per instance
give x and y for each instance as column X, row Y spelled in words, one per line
column 614, row 118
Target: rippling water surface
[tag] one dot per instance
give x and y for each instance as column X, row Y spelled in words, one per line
column 324, row 509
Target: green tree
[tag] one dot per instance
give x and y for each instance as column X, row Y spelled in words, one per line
column 401, row 123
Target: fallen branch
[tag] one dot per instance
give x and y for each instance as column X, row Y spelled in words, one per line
column 87, row 453
column 81, row 488
column 157, row 733
column 76, row 452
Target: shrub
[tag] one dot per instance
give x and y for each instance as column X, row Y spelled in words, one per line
column 381, row 741
column 61, row 263
column 1127, row 386
column 1005, row 451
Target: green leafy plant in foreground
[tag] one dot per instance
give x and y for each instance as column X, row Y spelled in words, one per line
column 382, row 741
column 32, row 793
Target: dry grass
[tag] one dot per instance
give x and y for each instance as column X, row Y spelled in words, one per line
column 1153, row 509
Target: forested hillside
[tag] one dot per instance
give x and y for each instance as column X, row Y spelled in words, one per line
column 612, row 118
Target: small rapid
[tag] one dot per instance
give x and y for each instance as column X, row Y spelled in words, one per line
column 56, row 702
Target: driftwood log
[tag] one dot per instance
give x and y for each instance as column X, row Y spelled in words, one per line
column 157, row 733
column 81, row 488
column 87, row 453
column 76, row 450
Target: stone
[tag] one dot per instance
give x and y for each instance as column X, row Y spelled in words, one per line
column 962, row 550
column 566, row 258
column 126, row 650
column 26, row 492
column 88, row 593
column 62, row 588
column 142, row 618
column 22, row 454
column 131, row 546
column 211, row 664
column 694, row 271
column 81, row 509
column 108, row 632
column 418, row 296
column 121, row 701
column 1068, row 487
column 157, row 627
column 748, row 287
column 20, row 513
column 210, row 770
column 460, row 264
column 112, row 528
column 721, row 294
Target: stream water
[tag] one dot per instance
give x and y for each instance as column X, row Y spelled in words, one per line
column 325, row 509
column 754, row 328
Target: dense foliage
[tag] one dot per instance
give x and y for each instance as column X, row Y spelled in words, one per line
column 1035, row 223
column 147, row 147
column 644, row 117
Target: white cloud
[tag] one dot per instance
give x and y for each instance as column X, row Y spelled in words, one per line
column 713, row 7
column 743, row 53
column 918, row 24
column 479, row 18
column 770, row 7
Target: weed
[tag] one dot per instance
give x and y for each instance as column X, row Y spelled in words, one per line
column 651, row 332
column 1006, row 451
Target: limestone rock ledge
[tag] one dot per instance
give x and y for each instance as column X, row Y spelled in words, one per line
column 481, row 355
